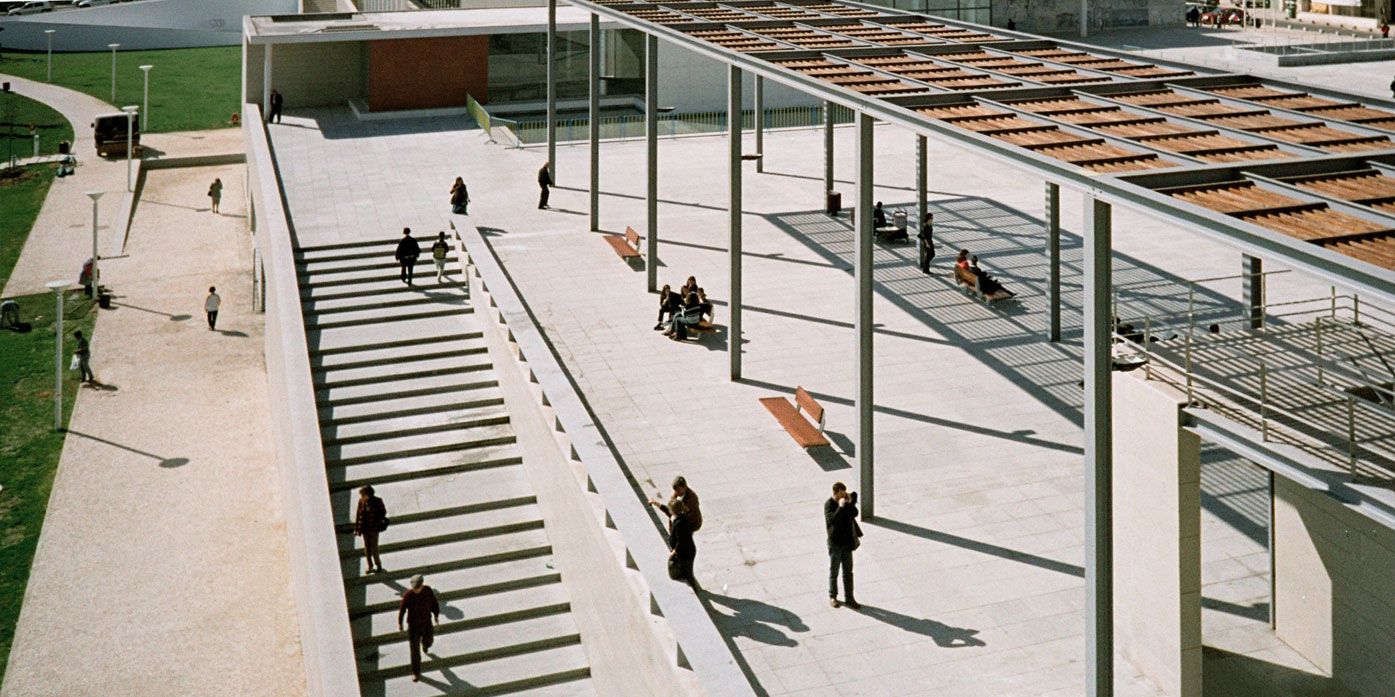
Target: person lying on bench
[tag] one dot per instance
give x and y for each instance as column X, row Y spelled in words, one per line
column 669, row 302
column 986, row 283
column 689, row 315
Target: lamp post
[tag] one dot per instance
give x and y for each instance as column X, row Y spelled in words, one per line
column 113, row 48
column 96, row 289
column 130, row 138
column 57, row 287
column 49, row 34
column 145, row 106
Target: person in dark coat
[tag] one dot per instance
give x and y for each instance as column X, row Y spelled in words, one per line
column 459, row 197
column 669, row 302
column 274, row 115
column 407, row 252
column 927, row 242
column 840, row 519
column 878, row 216
column 544, row 183
column 684, row 518
column 421, row 608
column 369, row 521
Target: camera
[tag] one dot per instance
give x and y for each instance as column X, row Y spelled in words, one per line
column 852, row 497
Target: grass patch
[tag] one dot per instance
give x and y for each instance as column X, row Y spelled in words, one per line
column 191, row 89
column 22, row 192
column 17, row 114
column 29, row 448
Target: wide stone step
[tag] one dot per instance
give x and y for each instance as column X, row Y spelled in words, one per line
column 502, row 549
column 442, row 441
column 365, row 260
column 326, row 309
column 400, row 355
column 431, row 403
column 419, row 531
column 487, row 541
column 458, row 379
column 364, row 373
column 322, row 356
column 387, row 288
column 337, row 247
column 410, row 489
column 381, row 315
column 328, row 341
column 315, row 271
column 355, row 254
column 345, row 527
column 464, row 587
column 446, row 465
column 530, row 636
column 339, row 433
column 498, row 611
column 560, row 671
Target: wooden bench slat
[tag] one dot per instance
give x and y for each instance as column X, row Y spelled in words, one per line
column 632, row 237
column 806, row 402
column 803, row 433
column 622, row 247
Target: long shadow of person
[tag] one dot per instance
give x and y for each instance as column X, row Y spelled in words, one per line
column 942, row 634
column 757, row 620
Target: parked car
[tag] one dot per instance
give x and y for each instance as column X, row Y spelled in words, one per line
column 109, row 132
column 1223, row 16
column 32, row 8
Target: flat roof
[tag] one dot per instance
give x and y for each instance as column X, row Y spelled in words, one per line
column 410, row 24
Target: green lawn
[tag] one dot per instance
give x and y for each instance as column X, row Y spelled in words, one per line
column 190, row 88
column 29, row 448
column 21, row 197
column 17, row 114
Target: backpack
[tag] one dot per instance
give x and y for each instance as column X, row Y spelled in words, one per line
column 438, row 250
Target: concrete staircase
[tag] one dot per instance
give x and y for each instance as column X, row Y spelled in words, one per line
column 408, row 402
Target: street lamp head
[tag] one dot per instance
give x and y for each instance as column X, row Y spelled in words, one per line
column 113, row 46
column 49, row 31
column 94, row 195
column 58, row 286
column 146, row 68
column 130, row 109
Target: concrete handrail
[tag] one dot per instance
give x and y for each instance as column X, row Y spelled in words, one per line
column 325, row 638
column 700, row 645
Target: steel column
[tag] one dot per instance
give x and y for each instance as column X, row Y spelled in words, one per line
column 266, row 82
column 758, row 115
column 1053, row 262
column 921, row 178
column 651, row 146
column 1099, row 543
column 827, row 147
column 1084, row 18
column 593, row 121
column 1253, row 268
column 734, row 219
column 552, row 88
column 863, row 275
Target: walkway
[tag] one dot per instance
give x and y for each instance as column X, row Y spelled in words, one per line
column 162, row 568
column 61, row 239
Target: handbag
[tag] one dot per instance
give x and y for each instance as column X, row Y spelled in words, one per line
column 75, row 363
column 384, row 525
column 857, row 535
column 675, row 569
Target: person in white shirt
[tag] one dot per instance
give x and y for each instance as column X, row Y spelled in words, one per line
column 210, row 305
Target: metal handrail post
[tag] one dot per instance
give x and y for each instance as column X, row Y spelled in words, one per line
column 1188, row 371
column 1147, row 352
column 1318, row 326
column 1351, row 433
column 1334, row 302
column 1263, row 401
column 1191, row 309
column 1356, row 309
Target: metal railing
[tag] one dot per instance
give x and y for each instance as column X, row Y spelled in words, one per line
column 490, row 123
column 628, row 126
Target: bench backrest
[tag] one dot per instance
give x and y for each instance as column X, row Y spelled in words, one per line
column 806, row 402
column 631, row 236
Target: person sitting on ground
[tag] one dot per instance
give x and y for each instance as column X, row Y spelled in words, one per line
column 9, row 314
column 459, row 197
column 689, row 315
column 878, row 216
column 986, row 283
column 669, row 302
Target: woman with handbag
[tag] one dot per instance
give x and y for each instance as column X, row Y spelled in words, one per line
column 684, row 519
column 370, row 520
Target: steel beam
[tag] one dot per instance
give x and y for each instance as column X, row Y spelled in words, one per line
column 922, row 177
column 863, row 276
column 552, row 88
column 1099, row 543
column 734, row 216
column 758, row 116
column 1053, row 262
column 827, row 148
column 1253, row 268
column 593, row 122
column 651, row 150
column 266, row 82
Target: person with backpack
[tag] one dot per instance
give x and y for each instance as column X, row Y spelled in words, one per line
column 438, row 255
column 684, row 519
column 370, row 520
column 407, row 252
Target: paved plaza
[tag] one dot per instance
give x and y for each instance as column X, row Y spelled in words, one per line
column 971, row 577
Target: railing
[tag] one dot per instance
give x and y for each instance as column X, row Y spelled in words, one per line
column 384, row 5
column 672, row 125
column 490, row 123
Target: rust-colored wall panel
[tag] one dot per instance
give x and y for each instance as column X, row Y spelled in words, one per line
column 427, row 73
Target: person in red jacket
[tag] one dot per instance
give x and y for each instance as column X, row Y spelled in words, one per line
column 420, row 606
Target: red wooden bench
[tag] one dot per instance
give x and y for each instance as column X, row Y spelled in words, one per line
column 968, row 282
column 806, row 434
column 628, row 246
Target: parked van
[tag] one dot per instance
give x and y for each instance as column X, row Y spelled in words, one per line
column 32, row 8
column 109, row 130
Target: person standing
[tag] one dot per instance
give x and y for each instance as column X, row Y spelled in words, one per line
column 84, row 356
column 210, row 307
column 544, row 183
column 276, row 101
column 684, row 518
column 459, row 197
column 215, row 193
column 420, row 606
column 840, row 518
column 927, row 242
column 438, row 255
column 407, row 252
column 370, row 520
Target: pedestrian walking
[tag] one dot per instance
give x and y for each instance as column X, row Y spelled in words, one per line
column 407, row 252
column 215, row 193
column 544, row 183
column 210, row 307
column 459, row 197
column 420, row 606
column 927, row 242
column 438, row 255
column 684, row 518
column 84, row 357
column 840, row 517
column 276, row 102
column 370, row 520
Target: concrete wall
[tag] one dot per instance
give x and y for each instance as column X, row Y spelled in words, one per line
column 1157, row 535
column 318, row 74
column 1334, row 594
column 692, row 82
column 458, row 67
column 140, row 25
column 1063, row 16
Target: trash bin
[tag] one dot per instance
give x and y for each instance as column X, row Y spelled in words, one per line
column 834, row 203
column 898, row 219
column 104, row 299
